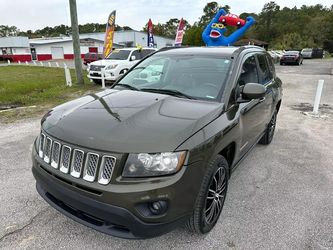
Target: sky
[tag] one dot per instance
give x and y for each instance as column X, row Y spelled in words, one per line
column 36, row 14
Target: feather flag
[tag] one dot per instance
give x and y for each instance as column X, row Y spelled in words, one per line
column 110, row 27
column 180, row 33
column 150, row 40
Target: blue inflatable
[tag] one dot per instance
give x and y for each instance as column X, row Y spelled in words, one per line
column 213, row 33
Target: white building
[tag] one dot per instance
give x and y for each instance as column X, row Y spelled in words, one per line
column 15, row 48
column 24, row 49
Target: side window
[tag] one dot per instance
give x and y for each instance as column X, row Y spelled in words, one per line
column 271, row 66
column 146, row 52
column 249, row 72
column 265, row 75
column 137, row 54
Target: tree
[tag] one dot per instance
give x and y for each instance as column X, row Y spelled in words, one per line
column 210, row 11
column 6, row 30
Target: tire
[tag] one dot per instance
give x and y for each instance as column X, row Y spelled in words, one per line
column 211, row 196
column 281, row 63
column 97, row 81
column 269, row 133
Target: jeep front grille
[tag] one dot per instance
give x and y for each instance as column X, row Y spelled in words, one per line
column 65, row 159
column 47, row 150
column 76, row 162
column 90, row 168
column 55, row 156
column 106, row 169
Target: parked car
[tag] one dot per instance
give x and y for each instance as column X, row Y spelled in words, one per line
column 275, row 56
column 317, row 53
column 91, row 57
column 117, row 63
column 307, row 53
column 143, row 157
column 291, row 57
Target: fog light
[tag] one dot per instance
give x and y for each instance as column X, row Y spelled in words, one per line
column 158, row 207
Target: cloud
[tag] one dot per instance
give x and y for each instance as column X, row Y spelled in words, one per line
column 36, row 14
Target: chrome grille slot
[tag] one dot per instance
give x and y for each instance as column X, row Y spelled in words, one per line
column 47, row 149
column 90, row 167
column 55, row 155
column 77, row 163
column 41, row 145
column 106, row 169
column 65, row 159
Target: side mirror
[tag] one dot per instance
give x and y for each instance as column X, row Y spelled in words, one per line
column 252, row 91
column 133, row 58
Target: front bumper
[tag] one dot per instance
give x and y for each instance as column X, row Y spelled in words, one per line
column 109, row 76
column 103, row 217
column 113, row 209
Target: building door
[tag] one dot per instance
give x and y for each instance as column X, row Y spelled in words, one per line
column 57, row 52
column 33, row 53
column 93, row 50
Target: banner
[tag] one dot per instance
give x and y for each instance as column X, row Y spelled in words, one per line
column 110, row 26
column 180, row 33
column 150, row 41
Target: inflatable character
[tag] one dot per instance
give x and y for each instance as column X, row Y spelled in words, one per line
column 213, row 33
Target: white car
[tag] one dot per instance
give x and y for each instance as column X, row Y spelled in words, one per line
column 307, row 53
column 117, row 63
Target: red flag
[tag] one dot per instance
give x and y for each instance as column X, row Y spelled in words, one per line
column 180, row 33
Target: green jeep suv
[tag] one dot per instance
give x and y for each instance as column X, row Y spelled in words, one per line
column 156, row 149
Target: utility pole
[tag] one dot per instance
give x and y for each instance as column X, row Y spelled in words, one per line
column 76, row 42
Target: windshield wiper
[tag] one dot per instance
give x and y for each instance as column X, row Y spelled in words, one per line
column 126, row 86
column 168, row 92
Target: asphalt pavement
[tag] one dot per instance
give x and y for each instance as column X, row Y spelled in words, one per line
column 280, row 197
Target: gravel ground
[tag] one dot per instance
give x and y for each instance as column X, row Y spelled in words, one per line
column 280, row 197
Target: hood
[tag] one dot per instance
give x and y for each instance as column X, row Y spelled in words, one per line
column 105, row 62
column 127, row 121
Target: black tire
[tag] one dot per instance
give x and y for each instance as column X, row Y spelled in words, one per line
column 269, row 133
column 281, row 63
column 97, row 81
column 200, row 222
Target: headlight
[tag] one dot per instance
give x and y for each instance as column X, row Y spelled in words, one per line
column 144, row 165
column 111, row 66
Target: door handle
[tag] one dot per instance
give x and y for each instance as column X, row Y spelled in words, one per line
column 262, row 99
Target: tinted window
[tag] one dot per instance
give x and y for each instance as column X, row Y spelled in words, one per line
column 292, row 53
column 137, row 55
column 147, row 52
column 249, row 73
column 271, row 66
column 265, row 75
column 119, row 54
column 201, row 77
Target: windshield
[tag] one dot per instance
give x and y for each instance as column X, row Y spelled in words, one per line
column 119, row 54
column 197, row 77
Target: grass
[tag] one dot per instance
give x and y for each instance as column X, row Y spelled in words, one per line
column 43, row 87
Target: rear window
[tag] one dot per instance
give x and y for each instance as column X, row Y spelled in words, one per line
column 292, row 53
column 307, row 50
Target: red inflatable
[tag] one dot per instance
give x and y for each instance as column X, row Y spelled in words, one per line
column 232, row 20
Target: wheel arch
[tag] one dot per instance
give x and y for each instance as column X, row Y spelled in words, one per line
column 228, row 153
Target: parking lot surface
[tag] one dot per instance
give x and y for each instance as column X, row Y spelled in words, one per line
column 280, row 197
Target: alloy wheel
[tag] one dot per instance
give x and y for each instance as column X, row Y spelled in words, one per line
column 216, row 195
